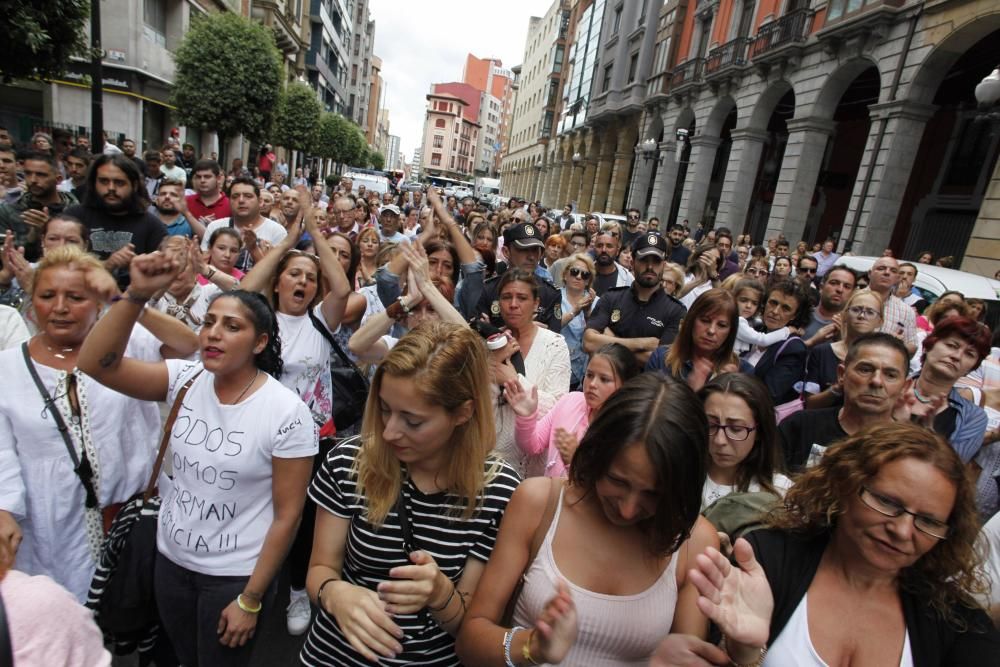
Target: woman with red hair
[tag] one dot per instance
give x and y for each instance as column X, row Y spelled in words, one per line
column 956, row 346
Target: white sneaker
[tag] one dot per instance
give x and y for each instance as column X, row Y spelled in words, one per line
column 299, row 612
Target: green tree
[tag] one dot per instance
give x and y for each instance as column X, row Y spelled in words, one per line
column 356, row 147
column 330, row 136
column 37, row 38
column 228, row 77
column 377, row 160
column 298, row 116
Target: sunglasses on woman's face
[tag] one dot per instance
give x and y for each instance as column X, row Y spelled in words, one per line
column 579, row 273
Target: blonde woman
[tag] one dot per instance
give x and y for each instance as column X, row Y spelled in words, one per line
column 672, row 278
column 578, row 301
column 408, row 515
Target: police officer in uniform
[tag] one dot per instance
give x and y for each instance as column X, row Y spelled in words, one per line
column 522, row 249
column 640, row 317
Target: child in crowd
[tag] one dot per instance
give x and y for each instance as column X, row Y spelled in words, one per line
column 749, row 294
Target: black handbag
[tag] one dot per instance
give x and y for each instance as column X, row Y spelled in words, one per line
column 350, row 385
column 121, row 592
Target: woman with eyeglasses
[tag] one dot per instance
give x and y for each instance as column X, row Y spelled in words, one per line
column 672, row 278
column 743, row 444
column 758, row 269
column 862, row 314
column 307, row 292
column 578, row 301
column 872, row 560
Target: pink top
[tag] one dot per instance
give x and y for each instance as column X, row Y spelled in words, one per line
column 48, row 626
column 533, row 436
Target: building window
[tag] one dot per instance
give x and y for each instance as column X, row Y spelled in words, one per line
column 435, row 159
column 438, row 141
column 616, row 22
column 154, row 18
column 606, row 82
column 642, row 12
column 439, row 122
column 633, row 66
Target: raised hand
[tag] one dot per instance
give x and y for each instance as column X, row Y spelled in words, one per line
column 524, row 403
column 120, row 258
column 416, row 259
column 361, row 615
column 566, row 443
column 35, row 217
column 557, row 626
column 152, row 273
column 737, row 599
column 415, row 586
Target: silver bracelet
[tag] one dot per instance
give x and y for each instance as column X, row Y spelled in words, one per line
column 508, row 639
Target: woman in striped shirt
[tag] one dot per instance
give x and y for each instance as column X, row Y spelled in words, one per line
column 408, row 516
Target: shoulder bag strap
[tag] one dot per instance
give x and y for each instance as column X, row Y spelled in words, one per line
column 6, row 646
column 333, row 342
column 165, row 438
column 555, row 487
column 81, row 471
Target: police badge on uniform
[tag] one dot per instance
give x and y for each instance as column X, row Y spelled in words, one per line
column 616, row 315
column 495, row 308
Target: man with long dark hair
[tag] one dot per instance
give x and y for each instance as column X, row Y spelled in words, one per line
column 115, row 211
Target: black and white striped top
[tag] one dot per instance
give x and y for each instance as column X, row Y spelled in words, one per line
column 370, row 554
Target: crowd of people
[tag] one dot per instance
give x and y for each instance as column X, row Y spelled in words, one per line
column 584, row 442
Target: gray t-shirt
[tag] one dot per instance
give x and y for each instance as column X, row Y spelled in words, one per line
column 815, row 324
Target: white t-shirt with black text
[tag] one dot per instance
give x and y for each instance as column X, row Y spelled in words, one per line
column 218, row 508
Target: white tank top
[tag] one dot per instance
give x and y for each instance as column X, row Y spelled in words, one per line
column 614, row 630
column 794, row 648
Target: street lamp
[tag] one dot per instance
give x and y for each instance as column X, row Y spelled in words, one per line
column 538, row 165
column 988, row 94
column 577, row 160
column 650, row 149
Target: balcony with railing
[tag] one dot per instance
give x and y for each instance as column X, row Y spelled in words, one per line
column 791, row 30
column 729, row 56
column 687, row 73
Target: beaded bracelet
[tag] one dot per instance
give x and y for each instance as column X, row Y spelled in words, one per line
column 508, row 639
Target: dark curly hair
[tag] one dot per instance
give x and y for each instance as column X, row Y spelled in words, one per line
column 792, row 288
column 264, row 322
column 950, row 572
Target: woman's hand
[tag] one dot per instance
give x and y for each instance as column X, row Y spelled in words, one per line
column 10, row 531
column 586, row 299
column 236, row 626
column 14, row 263
column 524, row 403
column 100, row 283
column 556, row 627
column 362, row 618
column 417, row 586
column 418, row 264
column 152, row 273
column 737, row 599
column 198, row 260
column 566, row 443
column 908, row 408
column 120, row 258
column 687, row 651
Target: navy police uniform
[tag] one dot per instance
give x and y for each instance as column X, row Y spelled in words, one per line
column 549, row 312
column 621, row 311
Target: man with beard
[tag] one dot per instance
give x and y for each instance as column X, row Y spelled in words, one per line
column 522, row 249
column 872, row 379
column 128, row 148
column 835, row 289
column 116, row 214
column 609, row 272
column 169, row 202
column 566, row 218
column 259, row 233
column 40, row 201
column 678, row 254
column 641, row 317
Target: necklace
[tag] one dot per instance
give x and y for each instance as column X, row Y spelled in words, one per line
column 58, row 353
column 247, row 388
column 919, row 397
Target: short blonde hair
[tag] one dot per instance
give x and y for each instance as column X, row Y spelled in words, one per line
column 677, row 272
column 585, row 259
column 67, row 256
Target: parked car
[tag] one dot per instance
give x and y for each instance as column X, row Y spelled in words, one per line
column 379, row 184
column 933, row 281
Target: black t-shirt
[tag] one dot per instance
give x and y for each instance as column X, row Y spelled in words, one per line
column 627, row 317
column 604, row 282
column 803, row 429
column 821, row 369
column 628, row 237
column 110, row 233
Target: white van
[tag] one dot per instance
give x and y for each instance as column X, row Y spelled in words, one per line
column 379, row 184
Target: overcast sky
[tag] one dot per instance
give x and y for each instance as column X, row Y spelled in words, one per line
column 425, row 41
